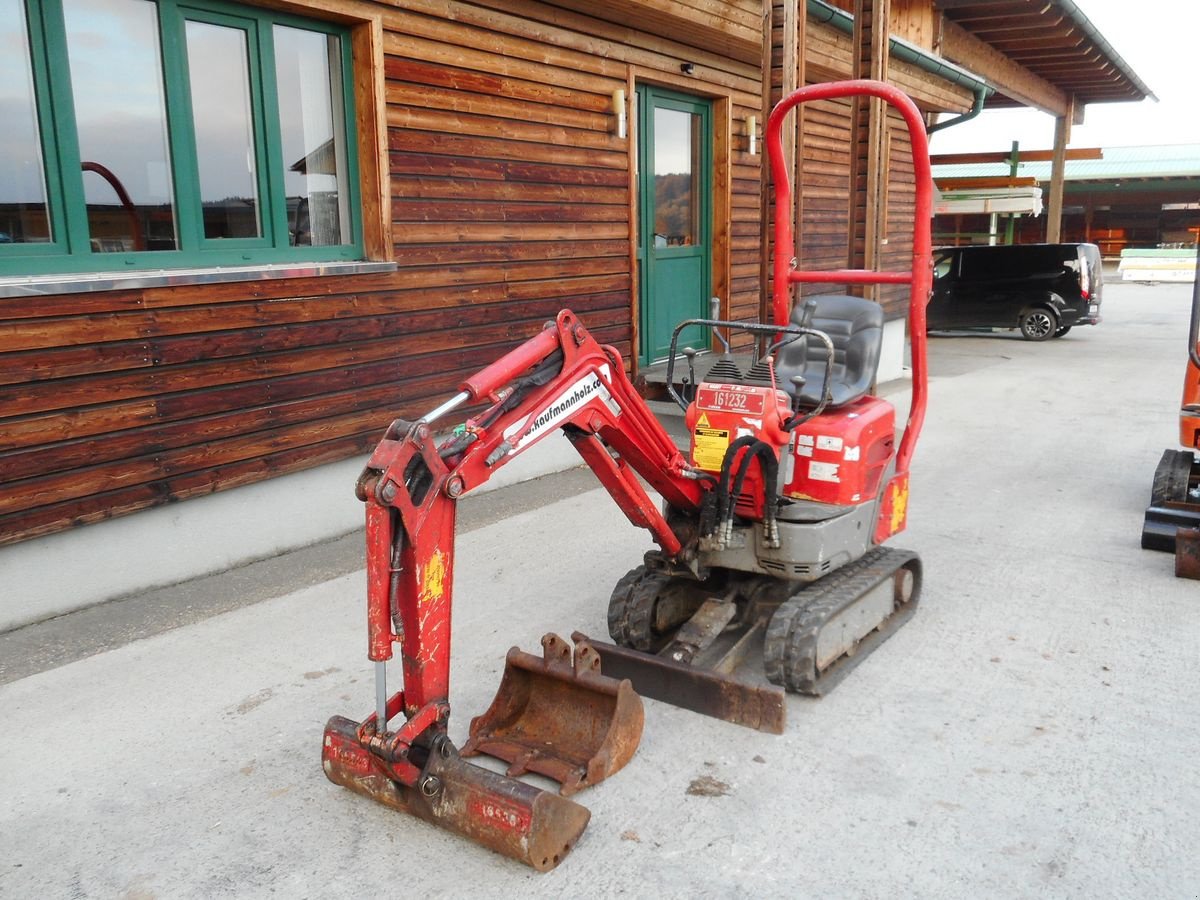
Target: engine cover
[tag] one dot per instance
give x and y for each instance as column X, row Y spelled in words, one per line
column 840, row 456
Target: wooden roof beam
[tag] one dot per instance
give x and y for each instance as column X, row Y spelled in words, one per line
column 1003, row 156
column 998, row 7
column 1030, row 41
column 984, row 181
column 1010, row 78
column 1092, row 57
column 1002, row 24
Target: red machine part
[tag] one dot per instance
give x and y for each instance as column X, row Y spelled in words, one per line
column 840, row 456
column 411, row 486
column 919, row 278
column 411, row 483
column 560, row 379
column 1189, row 406
column 723, row 413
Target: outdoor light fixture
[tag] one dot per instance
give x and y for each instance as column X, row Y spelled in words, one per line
column 618, row 108
column 687, row 68
column 752, row 134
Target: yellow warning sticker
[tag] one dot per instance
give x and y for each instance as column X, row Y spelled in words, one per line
column 709, row 446
column 702, row 422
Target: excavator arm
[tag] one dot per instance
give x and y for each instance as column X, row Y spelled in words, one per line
column 561, row 379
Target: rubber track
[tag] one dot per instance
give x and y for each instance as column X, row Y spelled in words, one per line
column 631, row 608
column 790, row 645
column 1171, row 477
column 1170, row 486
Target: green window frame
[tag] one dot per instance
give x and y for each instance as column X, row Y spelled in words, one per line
column 70, row 250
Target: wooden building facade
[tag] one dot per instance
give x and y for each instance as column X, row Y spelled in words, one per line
column 495, row 189
column 426, row 182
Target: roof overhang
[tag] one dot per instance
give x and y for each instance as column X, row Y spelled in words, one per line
column 1040, row 53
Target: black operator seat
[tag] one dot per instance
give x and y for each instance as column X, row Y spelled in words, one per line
column 855, row 326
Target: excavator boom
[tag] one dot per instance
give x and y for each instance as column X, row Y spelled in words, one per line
column 561, row 379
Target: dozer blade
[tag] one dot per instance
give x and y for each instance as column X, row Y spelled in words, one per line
column 701, row 690
column 516, row 819
column 559, row 717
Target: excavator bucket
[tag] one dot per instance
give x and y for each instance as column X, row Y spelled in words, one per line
column 520, row 821
column 560, row 717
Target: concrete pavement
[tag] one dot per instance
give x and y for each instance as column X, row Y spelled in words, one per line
column 1029, row 732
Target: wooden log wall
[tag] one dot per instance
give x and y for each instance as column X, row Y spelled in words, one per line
column 825, row 182
column 511, row 197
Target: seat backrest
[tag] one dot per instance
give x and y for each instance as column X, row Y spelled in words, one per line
column 855, row 327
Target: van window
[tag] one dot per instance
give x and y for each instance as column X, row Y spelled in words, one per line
column 1012, row 262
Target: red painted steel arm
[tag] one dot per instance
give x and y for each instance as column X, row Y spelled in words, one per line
column 588, row 394
column 920, row 277
column 560, row 379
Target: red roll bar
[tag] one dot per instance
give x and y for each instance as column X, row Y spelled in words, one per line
column 919, row 277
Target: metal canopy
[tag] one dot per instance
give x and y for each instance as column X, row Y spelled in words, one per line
column 1054, row 40
column 1158, row 162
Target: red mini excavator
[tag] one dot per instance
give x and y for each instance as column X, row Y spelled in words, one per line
column 1172, row 521
column 771, row 531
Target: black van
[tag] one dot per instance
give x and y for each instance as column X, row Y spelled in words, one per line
column 1042, row 289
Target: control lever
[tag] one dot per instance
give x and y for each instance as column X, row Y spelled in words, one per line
column 689, row 388
column 798, row 386
column 714, row 308
column 810, row 307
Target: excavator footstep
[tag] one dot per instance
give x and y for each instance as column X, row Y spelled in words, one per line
column 558, row 716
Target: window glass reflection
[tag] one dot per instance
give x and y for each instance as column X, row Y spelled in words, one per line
column 120, row 114
column 224, row 127
column 676, row 173
column 23, row 216
column 311, row 116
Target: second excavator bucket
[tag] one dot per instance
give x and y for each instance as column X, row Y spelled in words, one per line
column 560, row 717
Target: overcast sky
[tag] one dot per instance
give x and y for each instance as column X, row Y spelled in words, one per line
column 1160, row 40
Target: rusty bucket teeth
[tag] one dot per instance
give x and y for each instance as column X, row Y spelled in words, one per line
column 558, row 716
column 523, row 822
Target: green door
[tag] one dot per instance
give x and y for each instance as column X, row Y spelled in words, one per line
column 674, row 218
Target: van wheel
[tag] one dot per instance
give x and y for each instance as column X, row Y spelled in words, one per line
column 1062, row 331
column 1037, row 324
